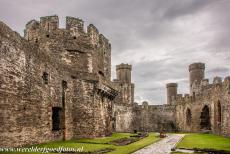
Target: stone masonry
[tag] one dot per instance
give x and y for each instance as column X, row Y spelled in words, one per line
column 55, row 84
column 205, row 109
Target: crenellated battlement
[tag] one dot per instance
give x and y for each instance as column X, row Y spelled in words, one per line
column 202, row 89
column 74, row 23
column 48, row 26
column 49, row 23
column 124, row 66
column 195, row 66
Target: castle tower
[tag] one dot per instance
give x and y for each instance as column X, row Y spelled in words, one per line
column 171, row 92
column 196, row 73
column 124, row 72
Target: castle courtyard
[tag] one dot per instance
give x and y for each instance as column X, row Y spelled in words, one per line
column 130, row 83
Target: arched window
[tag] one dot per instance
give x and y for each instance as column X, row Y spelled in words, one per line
column 205, row 119
column 219, row 112
column 188, row 117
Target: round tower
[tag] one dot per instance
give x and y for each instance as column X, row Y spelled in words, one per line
column 196, row 73
column 171, row 92
column 124, row 72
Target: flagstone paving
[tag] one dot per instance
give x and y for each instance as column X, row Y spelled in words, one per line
column 164, row 146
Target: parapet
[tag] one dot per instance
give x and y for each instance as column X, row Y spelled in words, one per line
column 179, row 96
column 204, row 82
column 217, row 80
column 171, row 85
column 77, row 23
column 74, row 28
column 32, row 24
column 124, row 66
column 49, row 22
column 227, row 79
column 93, row 34
column 195, row 66
column 145, row 104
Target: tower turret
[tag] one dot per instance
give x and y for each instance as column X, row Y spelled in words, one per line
column 196, row 73
column 77, row 23
column 171, row 92
column 124, row 72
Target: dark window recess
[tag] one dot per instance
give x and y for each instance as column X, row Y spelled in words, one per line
column 47, row 36
column 219, row 112
column 188, row 117
column 56, row 118
column 74, row 37
column 101, row 73
column 102, row 99
column 205, row 123
column 45, row 77
column 64, row 85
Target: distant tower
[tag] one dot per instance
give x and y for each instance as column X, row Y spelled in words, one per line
column 171, row 92
column 124, row 72
column 196, row 73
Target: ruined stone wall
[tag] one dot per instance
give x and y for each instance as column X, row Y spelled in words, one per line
column 26, row 100
column 93, row 110
column 216, row 97
column 155, row 117
column 52, row 68
column 124, row 118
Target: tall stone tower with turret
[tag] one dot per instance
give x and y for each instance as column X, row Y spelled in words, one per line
column 196, row 75
column 123, row 83
column 171, row 92
column 123, row 103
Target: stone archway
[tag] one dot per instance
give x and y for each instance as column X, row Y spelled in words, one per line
column 188, row 117
column 205, row 123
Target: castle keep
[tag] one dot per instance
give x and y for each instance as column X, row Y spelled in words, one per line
column 55, row 84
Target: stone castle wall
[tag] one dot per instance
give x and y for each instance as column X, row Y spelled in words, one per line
column 216, row 97
column 205, row 109
column 55, row 85
column 54, row 73
column 154, row 117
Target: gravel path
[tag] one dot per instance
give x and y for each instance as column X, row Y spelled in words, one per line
column 164, row 146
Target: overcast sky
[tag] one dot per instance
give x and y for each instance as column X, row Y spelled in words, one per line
column 160, row 38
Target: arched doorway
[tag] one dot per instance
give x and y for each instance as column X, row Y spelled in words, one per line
column 188, row 117
column 205, row 119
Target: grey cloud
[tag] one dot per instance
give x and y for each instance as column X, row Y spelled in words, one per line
column 185, row 31
column 219, row 70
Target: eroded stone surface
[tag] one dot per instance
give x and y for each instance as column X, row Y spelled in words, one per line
column 66, row 71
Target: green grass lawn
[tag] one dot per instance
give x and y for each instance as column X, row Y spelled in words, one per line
column 105, row 140
column 136, row 145
column 100, row 143
column 205, row 141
